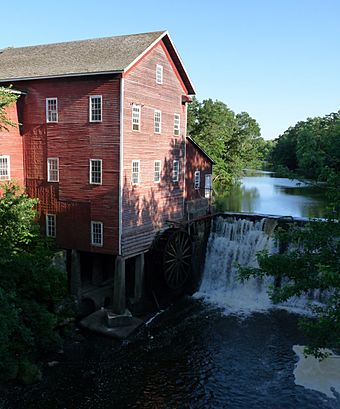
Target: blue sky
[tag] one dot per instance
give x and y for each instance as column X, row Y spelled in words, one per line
column 279, row 60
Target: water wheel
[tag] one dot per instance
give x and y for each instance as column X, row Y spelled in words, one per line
column 176, row 260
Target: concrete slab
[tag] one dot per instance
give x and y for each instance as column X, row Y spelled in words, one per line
column 97, row 322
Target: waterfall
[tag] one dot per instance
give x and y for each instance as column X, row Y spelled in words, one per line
column 231, row 243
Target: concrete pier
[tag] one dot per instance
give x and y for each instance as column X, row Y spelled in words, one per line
column 139, row 277
column 75, row 275
column 119, row 295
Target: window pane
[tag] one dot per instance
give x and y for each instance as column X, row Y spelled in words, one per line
column 175, row 171
column 136, row 117
column 208, row 186
column 51, row 225
column 157, row 173
column 52, row 170
column 177, row 124
column 4, row 167
column 135, row 172
column 97, row 233
column 52, row 109
column 96, row 109
column 159, row 74
column 96, row 171
column 157, row 121
column 197, row 179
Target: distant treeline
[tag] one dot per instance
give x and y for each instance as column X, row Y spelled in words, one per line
column 310, row 149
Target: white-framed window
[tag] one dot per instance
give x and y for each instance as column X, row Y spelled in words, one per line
column 51, row 109
column 157, row 121
column 159, row 74
column 175, row 171
column 5, row 173
column 52, row 169
column 51, row 225
column 95, row 171
column 177, row 124
column 97, row 233
column 157, row 171
column 197, row 180
column 135, row 176
column 208, row 186
column 136, row 114
column 95, row 108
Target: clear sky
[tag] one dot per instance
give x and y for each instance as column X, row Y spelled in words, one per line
column 279, row 60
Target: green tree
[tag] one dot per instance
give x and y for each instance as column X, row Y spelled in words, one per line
column 231, row 140
column 310, row 149
column 31, row 288
column 7, row 98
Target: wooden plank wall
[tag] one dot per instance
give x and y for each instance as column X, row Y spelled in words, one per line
column 74, row 140
column 148, row 205
column 195, row 161
column 11, row 145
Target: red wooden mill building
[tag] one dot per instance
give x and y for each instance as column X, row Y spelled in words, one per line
column 102, row 144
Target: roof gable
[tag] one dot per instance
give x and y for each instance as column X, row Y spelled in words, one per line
column 87, row 57
column 200, row 149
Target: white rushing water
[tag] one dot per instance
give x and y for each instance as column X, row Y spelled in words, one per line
column 232, row 243
column 236, row 242
column 322, row 376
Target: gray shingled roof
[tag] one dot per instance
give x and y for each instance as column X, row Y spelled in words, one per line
column 100, row 55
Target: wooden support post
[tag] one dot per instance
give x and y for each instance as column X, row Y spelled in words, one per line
column 119, row 296
column 75, row 275
column 139, row 277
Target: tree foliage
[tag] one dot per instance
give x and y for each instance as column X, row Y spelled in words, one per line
column 232, row 140
column 7, row 98
column 31, row 288
column 310, row 149
column 308, row 267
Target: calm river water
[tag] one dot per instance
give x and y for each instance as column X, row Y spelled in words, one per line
column 264, row 193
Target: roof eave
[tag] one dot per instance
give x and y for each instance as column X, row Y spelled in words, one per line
column 200, row 149
column 185, row 77
column 140, row 56
column 43, row 77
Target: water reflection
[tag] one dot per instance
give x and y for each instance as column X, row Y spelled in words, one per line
column 265, row 193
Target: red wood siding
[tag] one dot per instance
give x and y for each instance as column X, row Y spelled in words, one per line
column 11, row 145
column 148, row 205
column 74, row 140
column 195, row 160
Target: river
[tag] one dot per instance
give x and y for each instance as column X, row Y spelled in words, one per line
column 194, row 356
column 202, row 352
column 263, row 192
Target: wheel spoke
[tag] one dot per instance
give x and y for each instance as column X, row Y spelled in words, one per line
column 169, row 268
column 171, row 276
column 186, row 249
column 176, row 259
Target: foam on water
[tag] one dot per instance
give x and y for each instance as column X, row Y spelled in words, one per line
column 323, row 376
column 236, row 242
column 232, row 243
